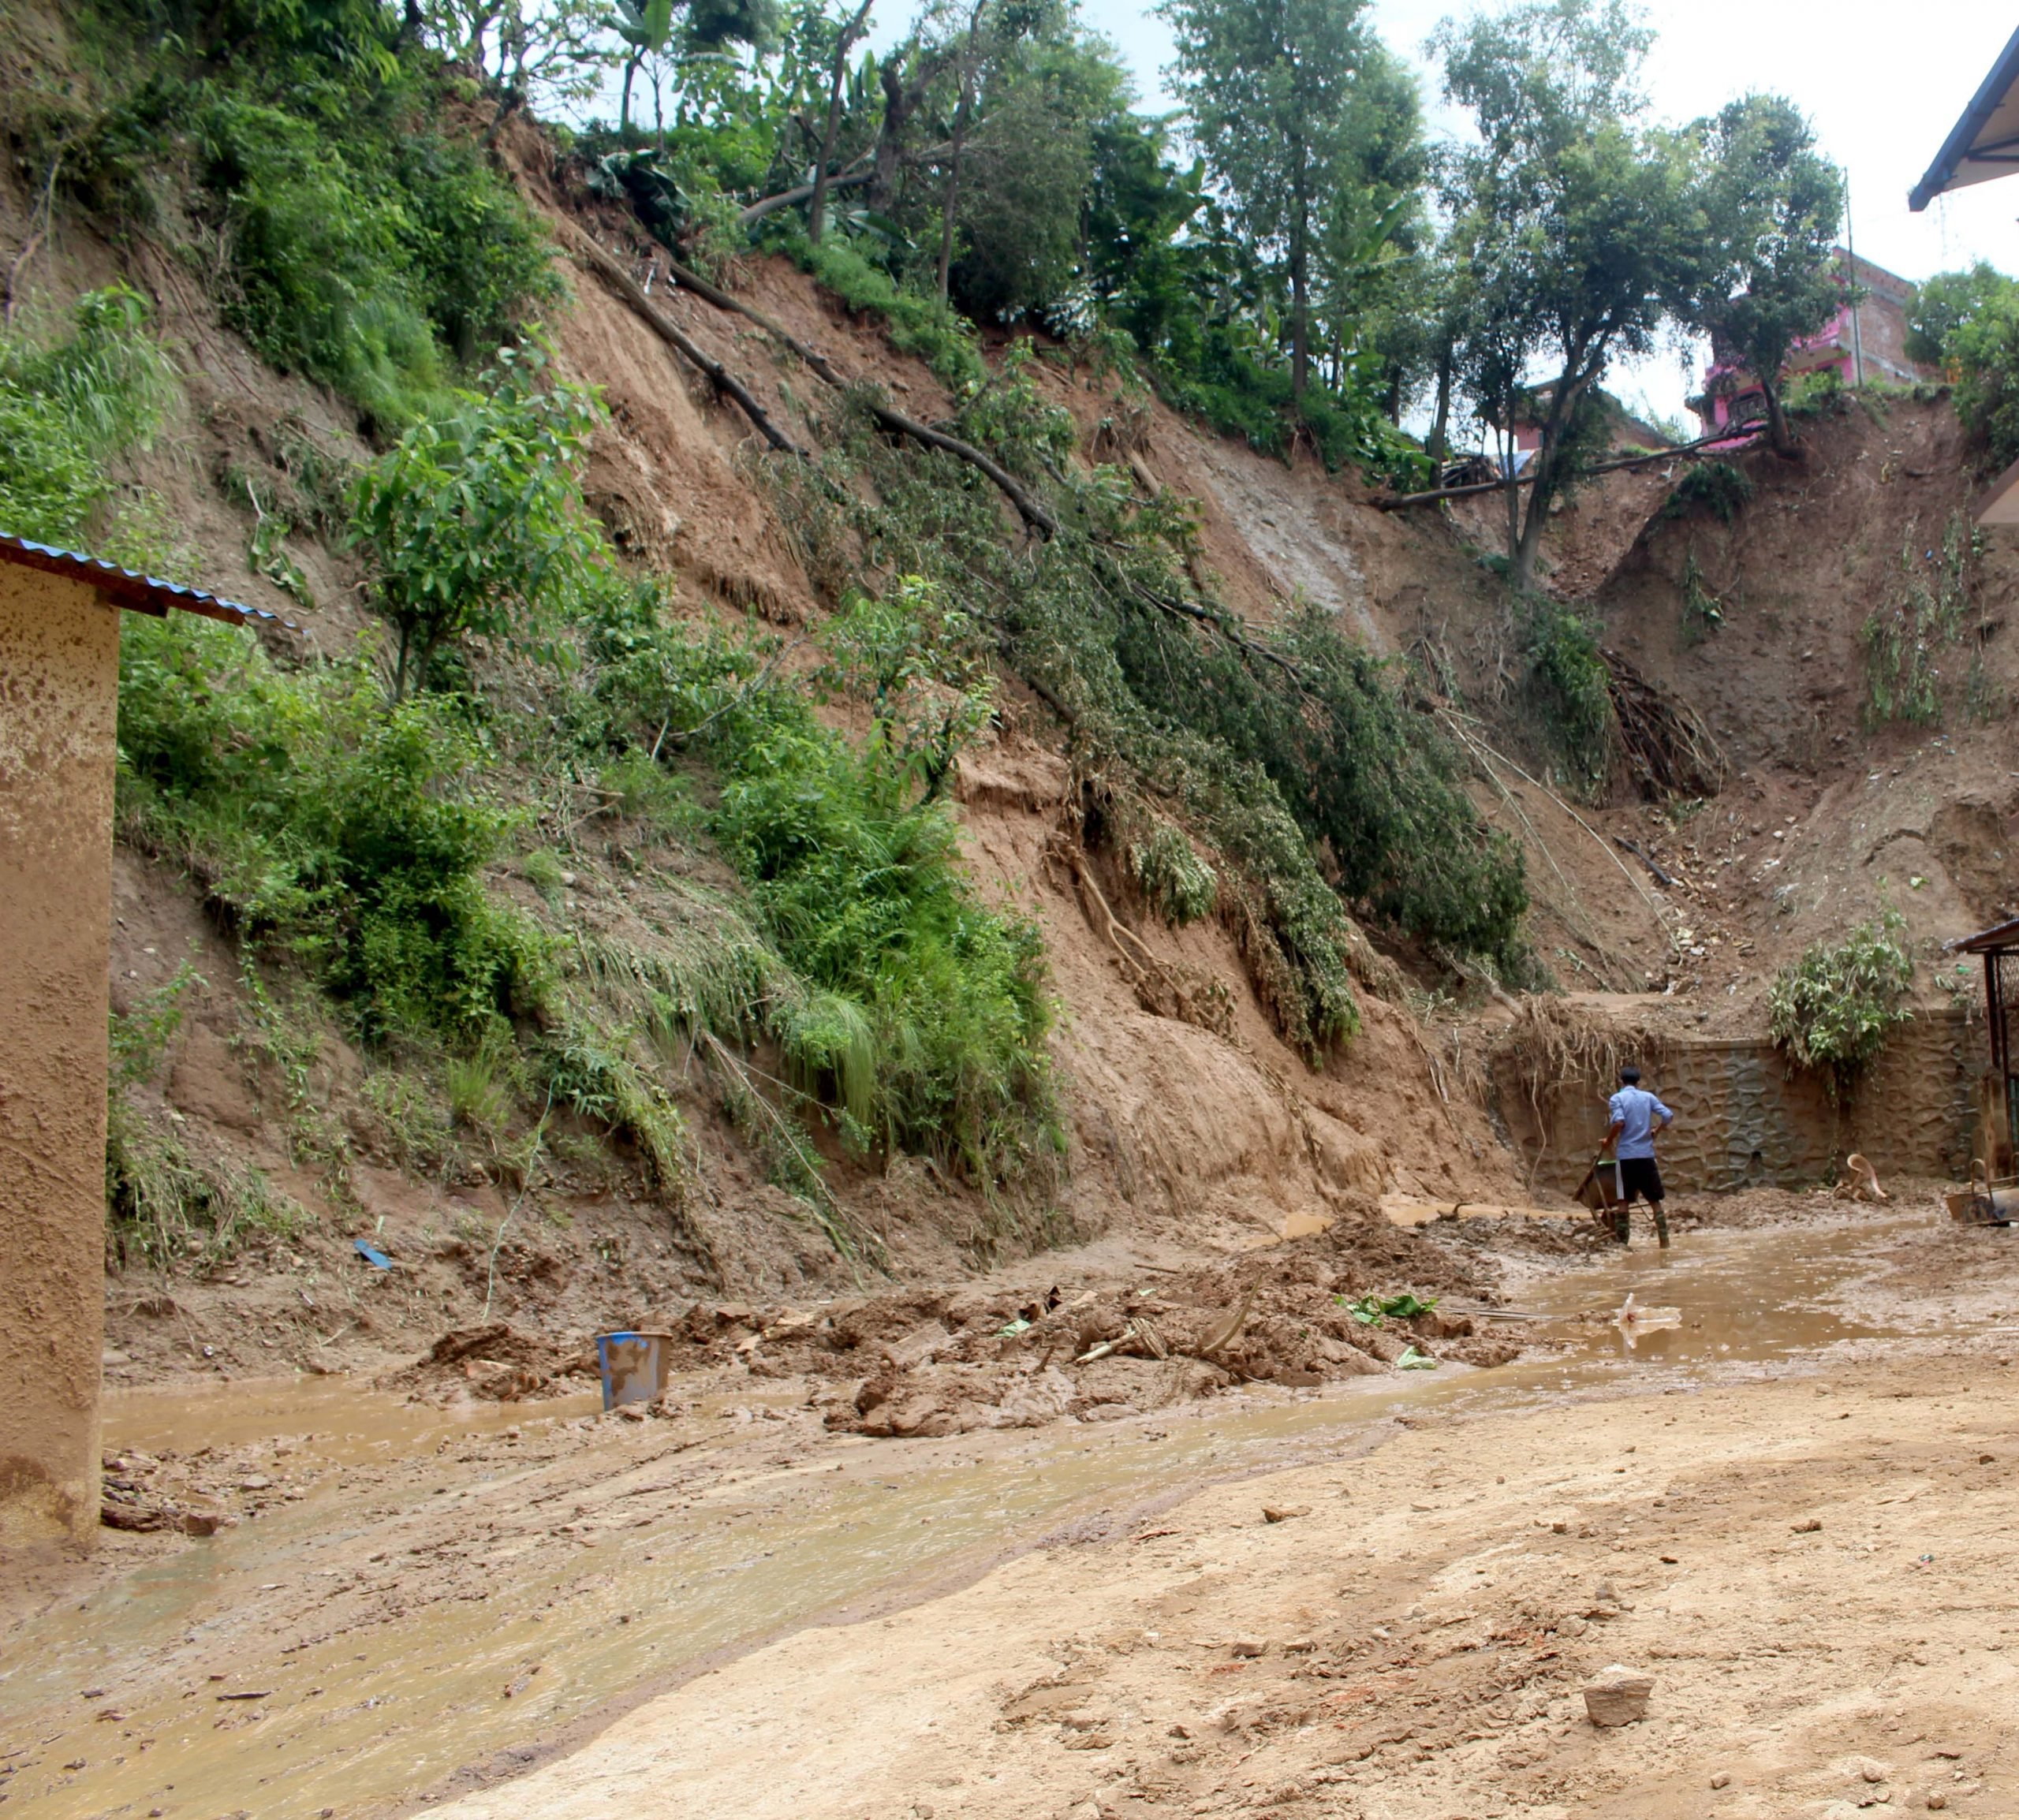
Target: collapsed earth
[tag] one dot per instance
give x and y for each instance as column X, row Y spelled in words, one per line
column 860, row 871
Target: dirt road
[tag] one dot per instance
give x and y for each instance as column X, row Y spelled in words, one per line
column 541, row 1612
column 1816, row 1573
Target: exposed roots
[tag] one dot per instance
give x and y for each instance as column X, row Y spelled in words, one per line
column 1552, row 1047
column 1668, row 749
column 1164, row 989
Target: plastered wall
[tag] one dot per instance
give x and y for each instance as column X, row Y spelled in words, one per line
column 59, row 679
column 1743, row 1120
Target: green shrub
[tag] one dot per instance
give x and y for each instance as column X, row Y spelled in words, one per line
column 915, row 322
column 1238, row 395
column 1702, row 613
column 351, row 836
column 1821, row 393
column 159, row 1197
column 480, row 260
column 70, row 406
column 363, row 247
column 1717, row 487
column 1164, row 866
column 1968, row 323
column 317, row 256
column 594, row 1070
column 1570, row 688
column 1834, row 1009
column 1904, row 639
column 922, row 668
column 900, row 1002
column 474, row 521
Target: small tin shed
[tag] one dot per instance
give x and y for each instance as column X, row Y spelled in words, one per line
column 59, row 705
column 1999, row 1094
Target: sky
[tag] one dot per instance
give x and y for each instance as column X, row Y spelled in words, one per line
column 1882, row 84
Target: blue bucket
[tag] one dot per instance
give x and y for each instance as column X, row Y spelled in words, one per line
column 634, row 1365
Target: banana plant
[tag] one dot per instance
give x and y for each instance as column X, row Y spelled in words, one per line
column 644, row 25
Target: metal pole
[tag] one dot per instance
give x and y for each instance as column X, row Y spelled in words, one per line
column 1851, row 248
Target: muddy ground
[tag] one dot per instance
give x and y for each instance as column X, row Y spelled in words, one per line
column 734, row 1603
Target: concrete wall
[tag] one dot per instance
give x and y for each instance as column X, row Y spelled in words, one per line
column 1743, row 1120
column 59, row 683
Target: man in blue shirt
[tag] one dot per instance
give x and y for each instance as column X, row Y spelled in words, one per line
column 1636, row 1115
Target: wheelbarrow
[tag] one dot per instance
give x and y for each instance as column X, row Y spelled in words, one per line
column 1986, row 1202
column 1600, row 1191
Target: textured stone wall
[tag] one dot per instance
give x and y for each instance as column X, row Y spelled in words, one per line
column 1743, row 1120
column 59, row 685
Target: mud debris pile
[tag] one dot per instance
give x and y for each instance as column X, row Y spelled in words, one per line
column 496, row 1363
column 936, row 1362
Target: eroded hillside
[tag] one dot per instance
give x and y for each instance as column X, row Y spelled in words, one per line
column 1185, row 1115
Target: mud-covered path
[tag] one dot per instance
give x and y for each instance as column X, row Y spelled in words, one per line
column 1812, row 1553
column 570, row 1619
column 1410, row 1642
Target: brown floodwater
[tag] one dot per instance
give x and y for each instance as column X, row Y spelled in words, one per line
column 390, row 1709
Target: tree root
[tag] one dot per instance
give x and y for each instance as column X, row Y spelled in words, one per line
column 1668, row 748
column 1184, row 993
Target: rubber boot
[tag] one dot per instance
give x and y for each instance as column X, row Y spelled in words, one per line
column 1621, row 1223
column 1662, row 1224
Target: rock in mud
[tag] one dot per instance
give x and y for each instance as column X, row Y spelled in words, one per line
column 1618, row 1696
column 920, row 1346
column 1035, row 1400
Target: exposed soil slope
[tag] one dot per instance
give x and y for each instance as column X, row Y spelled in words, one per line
column 1201, row 1125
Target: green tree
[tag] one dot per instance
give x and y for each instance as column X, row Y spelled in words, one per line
column 474, row 520
column 1030, row 164
column 1137, row 203
column 645, row 26
column 851, row 29
column 1773, row 205
column 1949, row 304
column 1968, row 323
column 1580, row 225
column 1270, row 87
column 1369, row 280
column 528, row 52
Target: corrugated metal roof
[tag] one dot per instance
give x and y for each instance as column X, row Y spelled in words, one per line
column 1997, row 939
column 141, row 593
column 1984, row 143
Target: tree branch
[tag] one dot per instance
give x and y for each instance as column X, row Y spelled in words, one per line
column 1032, row 510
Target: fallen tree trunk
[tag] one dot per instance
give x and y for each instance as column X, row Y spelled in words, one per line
column 1395, row 502
column 1032, row 510
column 800, row 193
column 676, row 337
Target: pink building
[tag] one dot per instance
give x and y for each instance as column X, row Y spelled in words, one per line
column 1863, row 341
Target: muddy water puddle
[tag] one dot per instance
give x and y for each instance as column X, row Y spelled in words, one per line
column 407, row 1616
column 1738, row 1296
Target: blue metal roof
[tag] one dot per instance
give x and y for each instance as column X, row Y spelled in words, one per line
column 1984, row 143
column 141, row 593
